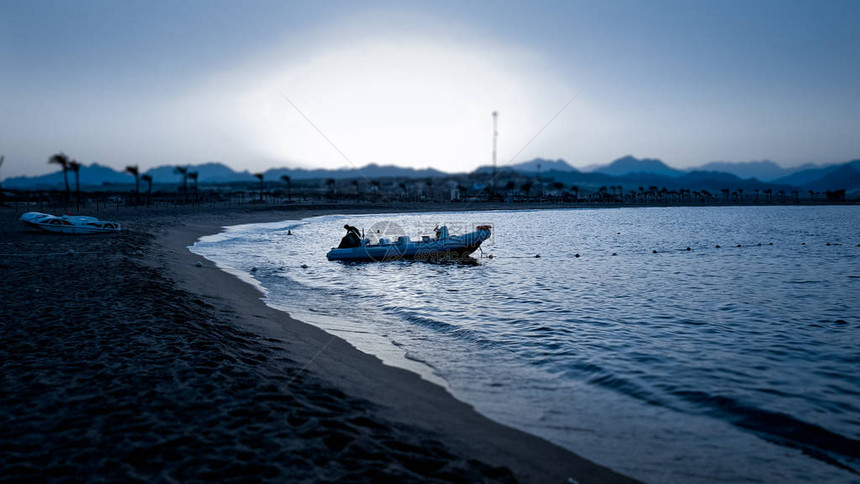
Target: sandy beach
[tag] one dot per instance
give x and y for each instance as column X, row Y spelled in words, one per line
column 127, row 357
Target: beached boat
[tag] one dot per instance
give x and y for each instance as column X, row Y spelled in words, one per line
column 442, row 247
column 69, row 224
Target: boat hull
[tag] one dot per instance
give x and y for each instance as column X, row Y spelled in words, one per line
column 69, row 224
column 452, row 248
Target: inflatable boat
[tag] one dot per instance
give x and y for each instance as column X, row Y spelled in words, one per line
column 442, row 247
column 69, row 224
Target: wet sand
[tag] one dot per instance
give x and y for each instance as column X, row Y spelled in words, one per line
column 126, row 357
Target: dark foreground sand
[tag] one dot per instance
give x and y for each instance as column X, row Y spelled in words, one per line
column 121, row 359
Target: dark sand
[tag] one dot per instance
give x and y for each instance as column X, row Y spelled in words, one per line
column 121, row 359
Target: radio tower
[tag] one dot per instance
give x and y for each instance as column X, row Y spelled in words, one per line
column 495, row 136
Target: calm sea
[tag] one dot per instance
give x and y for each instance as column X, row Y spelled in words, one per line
column 737, row 363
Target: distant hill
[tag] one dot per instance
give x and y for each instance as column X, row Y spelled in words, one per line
column 764, row 170
column 90, row 175
column 540, row 164
column 629, row 164
column 531, row 166
column 372, row 171
column 810, row 176
column 628, row 172
column 845, row 176
column 696, row 180
column 211, row 172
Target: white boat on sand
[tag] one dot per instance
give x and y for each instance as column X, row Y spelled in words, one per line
column 69, row 224
column 442, row 247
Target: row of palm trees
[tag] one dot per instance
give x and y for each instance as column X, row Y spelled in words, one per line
column 68, row 164
column 612, row 193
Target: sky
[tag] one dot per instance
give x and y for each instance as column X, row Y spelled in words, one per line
column 263, row 84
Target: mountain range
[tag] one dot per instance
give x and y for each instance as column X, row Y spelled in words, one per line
column 627, row 171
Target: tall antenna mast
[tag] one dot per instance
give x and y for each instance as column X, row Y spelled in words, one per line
column 495, row 136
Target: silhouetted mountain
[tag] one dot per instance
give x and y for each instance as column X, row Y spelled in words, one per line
column 90, row 175
column 763, row 170
column 630, row 164
column 531, row 166
column 845, row 176
column 371, row 171
column 540, row 164
column 634, row 173
column 809, row 176
column 211, row 172
column 696, row 180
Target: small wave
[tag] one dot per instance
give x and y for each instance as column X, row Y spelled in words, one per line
column 440, row 326
column 782, row 429
column 625, row 387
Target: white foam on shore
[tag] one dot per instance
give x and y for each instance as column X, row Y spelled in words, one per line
column 365, row 341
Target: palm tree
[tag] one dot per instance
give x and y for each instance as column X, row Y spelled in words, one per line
column 741, row 194
column 183, row 171
column 768, row 195
column 725, row 193
column 2, row 158
column 62, row 160
column 260, row 177
column 402, row 190
column 374, row 187
column 812, row 194
column 430, row 190
column 193, row 175
column 148, row 180
column 330, row 184
column 288, row 181
column 76, row 168
column 526, row 187
column 135, row 172
column 575, row 190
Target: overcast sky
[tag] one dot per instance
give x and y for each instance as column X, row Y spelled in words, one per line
column 415, row 83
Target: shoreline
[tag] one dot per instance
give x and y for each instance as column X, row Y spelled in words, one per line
column 403, row 396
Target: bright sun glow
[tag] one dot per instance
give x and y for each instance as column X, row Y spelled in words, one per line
column 410, row 101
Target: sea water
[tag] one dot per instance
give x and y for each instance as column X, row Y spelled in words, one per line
column 737, row 359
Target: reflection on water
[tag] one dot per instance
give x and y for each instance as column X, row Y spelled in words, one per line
column 738, row 362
